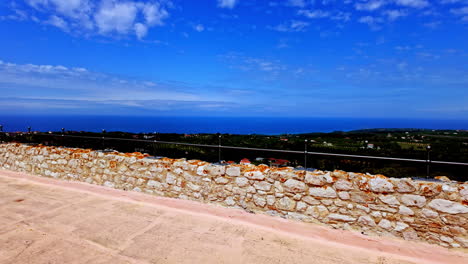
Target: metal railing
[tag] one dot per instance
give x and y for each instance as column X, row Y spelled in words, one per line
column 219, row 147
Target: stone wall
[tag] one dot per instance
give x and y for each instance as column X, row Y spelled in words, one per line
column 435, row 212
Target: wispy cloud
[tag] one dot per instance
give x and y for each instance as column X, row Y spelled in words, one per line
column 199, row 27
column 60, row 82
column 373, row 22
column 292, row 26
column 227, row 3
column 394, row 14
column 297, row 3
column 413, row 3
column 370, row 5
column 462, row 12
column 314, row 13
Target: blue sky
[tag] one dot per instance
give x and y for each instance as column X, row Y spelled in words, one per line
column 362, row 58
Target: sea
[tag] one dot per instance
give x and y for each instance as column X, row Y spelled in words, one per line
column 225, row 125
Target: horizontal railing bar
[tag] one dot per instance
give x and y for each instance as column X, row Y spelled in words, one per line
column 261, row 149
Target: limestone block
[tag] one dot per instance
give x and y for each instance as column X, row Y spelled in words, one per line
column 403, row 210
column 230, row 201
column 462, row 240
column 251, row 189
column 296, row 216
column 201, row 171
column 310, row 200
column 430, row 189
column 254, row 175
column 449, row 207
column 385, row 224
column 390, row 200
column 326, row 192
column 384, row 208
column 221, row 180
column 259, row 200
column 413, row 200
column 242, row 181
column 400, row 226
column 270, row 199
column 366, row 220
column 339, row 217
column 380, row 185
column 363, row 208
column 262, row 185
column 344, row 195
column 233, row 171
column 301, row 206
column 285, row 204
column 171, row 178
column 294, row 186
column 109, row 184
column 343, row 185
column 216, row 170
column 449, row 189
column 318, row 211
column 317, row 179
column 193, row 187
column 464, row 192
column 278, row 187
column 154, row 184
column 361, row 197
column 446, row 239
column 429, row 213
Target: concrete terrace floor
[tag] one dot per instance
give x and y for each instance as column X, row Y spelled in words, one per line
column 50, row 221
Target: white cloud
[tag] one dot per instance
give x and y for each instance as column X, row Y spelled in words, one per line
column 370, row 5
column 154, row 13
column 463, row 12
column 452, row 1
column 393, row 15
column 58, row 22
column 104, row 17
column 460, row 11
column 39, row 87
column 81, row 82
column 314, row 13
column 140, row 30
column 297, row 3
column 402, row 66
column 341, row 16
column 293, row 26
column 227, row 3
column 199, row 28
column 372, row 22
column 118, row 17
column 413, row 3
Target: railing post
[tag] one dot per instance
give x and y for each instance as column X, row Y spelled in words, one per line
column 103, row 144
column 219, row 148
column 29, row 130
column 63, row 137
column 305, row 154
column 428, row 161
column 1, row 128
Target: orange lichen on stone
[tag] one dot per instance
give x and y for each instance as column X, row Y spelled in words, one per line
column 112, row 164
